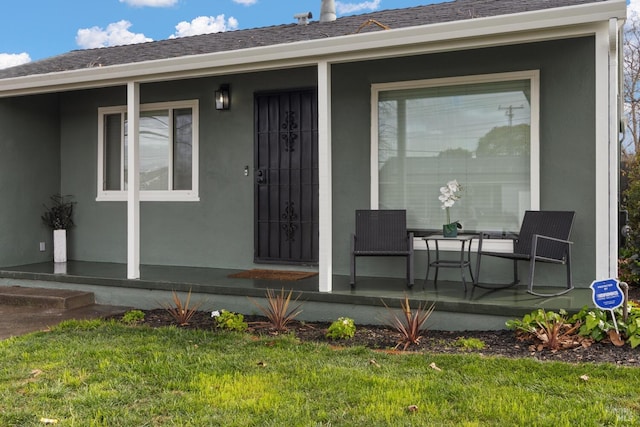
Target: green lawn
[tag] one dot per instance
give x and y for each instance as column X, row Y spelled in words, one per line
column 96, row 373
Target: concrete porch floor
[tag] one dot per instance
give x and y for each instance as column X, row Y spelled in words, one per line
column 455, row 308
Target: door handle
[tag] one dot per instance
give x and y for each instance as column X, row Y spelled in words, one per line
column 261, row 176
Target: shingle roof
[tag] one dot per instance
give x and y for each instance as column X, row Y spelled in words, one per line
column 267, row 36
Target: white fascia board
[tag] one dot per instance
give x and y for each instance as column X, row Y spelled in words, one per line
column 538, row 25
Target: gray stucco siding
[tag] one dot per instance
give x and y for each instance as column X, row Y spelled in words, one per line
column 29, row 175
column 567, row 141
column 217, row 231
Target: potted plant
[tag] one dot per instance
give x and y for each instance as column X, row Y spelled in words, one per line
column 448, row 196
column 59, row 216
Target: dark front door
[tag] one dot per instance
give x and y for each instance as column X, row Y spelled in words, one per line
column 286, row 177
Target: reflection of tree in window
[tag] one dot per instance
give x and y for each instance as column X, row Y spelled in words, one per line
column 112, row 152
column 166, row 150
column 182, row 149
column 154, row 150
column 387, row 130
column 505, row 141
column 477, row 133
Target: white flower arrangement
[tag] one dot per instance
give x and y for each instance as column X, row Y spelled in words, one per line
column 448, row 196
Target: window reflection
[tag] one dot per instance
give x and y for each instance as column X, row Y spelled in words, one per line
column 478, row 134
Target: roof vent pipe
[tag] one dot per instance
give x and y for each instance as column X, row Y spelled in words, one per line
column 303, row 18
column 328, row 11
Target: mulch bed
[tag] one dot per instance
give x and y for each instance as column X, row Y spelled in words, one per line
column 503, row 343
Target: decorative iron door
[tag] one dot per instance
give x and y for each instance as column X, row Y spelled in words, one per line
column 286, row 177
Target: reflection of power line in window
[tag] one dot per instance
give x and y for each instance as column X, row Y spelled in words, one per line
column 509, row 112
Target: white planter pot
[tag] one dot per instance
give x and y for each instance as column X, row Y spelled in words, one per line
column 59, row 245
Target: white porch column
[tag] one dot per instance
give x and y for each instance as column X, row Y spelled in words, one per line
column 325, row 257
column 615, row 110
column 133, row 180
column 606, row 151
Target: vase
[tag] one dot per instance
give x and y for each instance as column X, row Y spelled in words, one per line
column 450, row 230
column 59, row 245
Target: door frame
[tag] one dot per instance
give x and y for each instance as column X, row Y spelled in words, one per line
column 314, row 233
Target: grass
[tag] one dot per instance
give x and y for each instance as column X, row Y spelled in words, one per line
column 97, row 373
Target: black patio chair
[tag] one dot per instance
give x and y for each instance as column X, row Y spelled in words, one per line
column 382, row 233
column 543, row 237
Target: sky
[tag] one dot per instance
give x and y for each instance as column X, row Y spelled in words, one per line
column 35, row 29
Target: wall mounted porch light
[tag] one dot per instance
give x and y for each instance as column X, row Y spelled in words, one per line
column 223, row 98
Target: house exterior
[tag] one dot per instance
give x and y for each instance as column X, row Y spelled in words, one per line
column 517, row 100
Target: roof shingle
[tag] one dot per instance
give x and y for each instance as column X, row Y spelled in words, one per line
column 267, row 36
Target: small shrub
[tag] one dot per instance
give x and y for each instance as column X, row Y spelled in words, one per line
column 469, row 343
column 182, row 312
column 632, row 326
column 410, row 324
column 629, row 267
column 228, row 320
column 598, row 325
column 132, row 317
column 594, row 323
column 553, row 330
column 342, row 329
column 277, row 309
column 559, row 330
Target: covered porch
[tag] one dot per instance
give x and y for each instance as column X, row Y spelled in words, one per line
column 455, row 308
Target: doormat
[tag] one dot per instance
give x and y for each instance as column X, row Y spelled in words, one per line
column 273, row 274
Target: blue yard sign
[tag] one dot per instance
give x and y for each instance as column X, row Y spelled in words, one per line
column 607, row 294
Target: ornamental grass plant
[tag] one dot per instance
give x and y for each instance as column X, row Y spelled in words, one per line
column 182, row 311
column 279, row 310
column 410, row 325
column 107, row 373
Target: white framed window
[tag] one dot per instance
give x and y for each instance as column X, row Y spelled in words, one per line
column 168, row 152
column 482, row 131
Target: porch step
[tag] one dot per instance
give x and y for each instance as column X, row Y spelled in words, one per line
column 45, row 298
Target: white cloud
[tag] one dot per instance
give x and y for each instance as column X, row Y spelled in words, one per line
column 205, row 25
column 633, row 13
column 246, row 2
column 633, row 9
column 342, row 8
column 150, row 3
column 116, row 34
column 12, row 59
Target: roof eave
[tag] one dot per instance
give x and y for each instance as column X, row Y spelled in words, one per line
column 527, row 26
